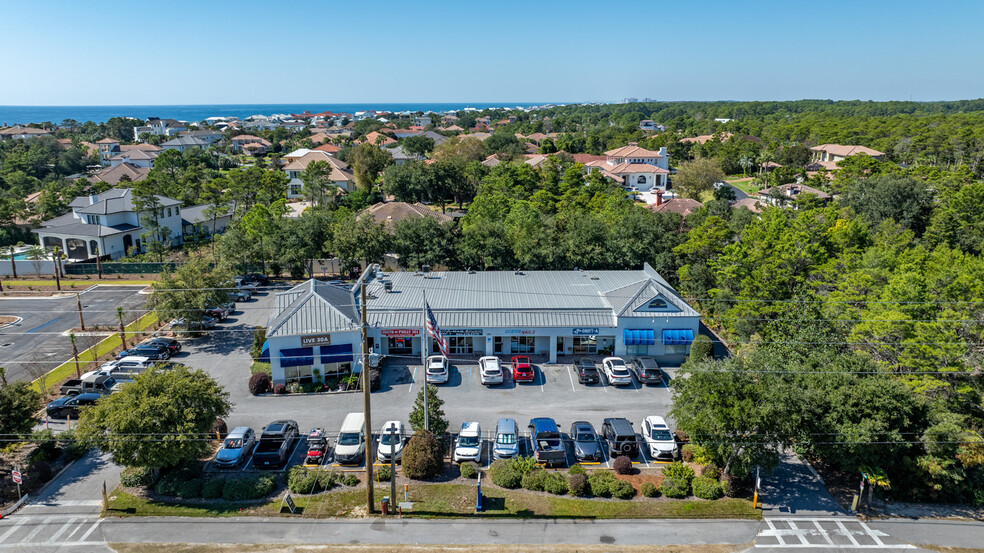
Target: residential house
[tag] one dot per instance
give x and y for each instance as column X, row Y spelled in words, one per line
column 448, row 120
column 752, row 204
column 160, row 127
column 422, row 121
column 451, row 128
column 196, row 221
column 436, row 137
column 329, row 148
column 135, row 156
column 109, row 222
column 683, row 206
column 378, row 139
column 120, row 173
column 205, row 135
column 634, row 166
column 786, row 193
column 240, row 141
column 720, row 137
column 182, row 143
column 88, row 148
column 340, row 174
column 18, row 132
column 108, row 147
column 390, row 213
column 650, row 125
column 400, row 156
column 404, row 133
column 826, row 156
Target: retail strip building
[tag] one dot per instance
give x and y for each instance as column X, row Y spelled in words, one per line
column 554, row 316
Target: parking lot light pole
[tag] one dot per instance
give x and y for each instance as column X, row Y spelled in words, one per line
column 370, row 500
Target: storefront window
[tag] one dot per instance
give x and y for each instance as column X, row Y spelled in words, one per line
column 678, row 349
column 460, row 345
column 300, row 374
column 400, row 346
column 585, row 344
column 523, row 344
column 336, row 368
column 497, row 345
column 637, row 350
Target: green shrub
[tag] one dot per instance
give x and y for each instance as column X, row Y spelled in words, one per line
column 248, row 487
column 702, row 348
column 423, row 456
column 167, row 486
column 468, row 470
column 137, row 477
column 259, row 383
column 555, row 483
column 73, row 448
column 535, row 480
column 523, row 465
column 47, row 446
column 693, row 453
column 706, row 488
column 383, row 474
column 649, row 489
column 711, row 471
column 259, row 337
column 622, row 465
column 679, row 471
column 600, row 482
column 190, row 489
column 578, row 484
column 674, row 488
column 620, row 489
column 729, row 486
column 350, row 480
column 504, row 475
column 212, row 489
column 577, row 469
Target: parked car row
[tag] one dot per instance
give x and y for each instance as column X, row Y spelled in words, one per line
column 614, row 369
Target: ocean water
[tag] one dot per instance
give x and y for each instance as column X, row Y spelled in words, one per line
column 12, row 115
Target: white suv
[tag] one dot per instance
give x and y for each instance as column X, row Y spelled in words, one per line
column 491, row 370
column 437, row 369
column 616, row 372
column 660, row 441
column 468, row 445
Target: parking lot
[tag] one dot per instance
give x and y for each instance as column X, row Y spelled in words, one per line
column 555, row 392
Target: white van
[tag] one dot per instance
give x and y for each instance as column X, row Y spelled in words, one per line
column 350, row 445
column 468, row 446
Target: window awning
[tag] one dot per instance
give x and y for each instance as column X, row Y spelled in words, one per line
column 265, row 354
column 340, row 353
column 644, row 337
column 296, row 357
column 678, row 337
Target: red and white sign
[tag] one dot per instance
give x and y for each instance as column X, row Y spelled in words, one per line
column 16, row 475
column 400, row 332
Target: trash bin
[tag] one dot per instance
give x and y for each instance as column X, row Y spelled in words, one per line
column 384, row 505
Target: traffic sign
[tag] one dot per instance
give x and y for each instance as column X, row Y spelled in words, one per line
column 16, row 475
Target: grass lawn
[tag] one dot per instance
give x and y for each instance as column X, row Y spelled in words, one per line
column 745, row 184
column 451, row 500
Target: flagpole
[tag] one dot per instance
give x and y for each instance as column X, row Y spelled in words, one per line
column 423, row 357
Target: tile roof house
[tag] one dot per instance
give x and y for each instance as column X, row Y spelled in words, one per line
column 160, row 127
column 683, row 206
column 377, row 138
column 328, row 148
column 826, row 156
column 390, row 213
column 108, row 221
column 135, row 156
column 780, row 195
column 752, row 204
column 18, row 132
column 120, row 173
column 635, row 166
column 340, row 175
column 240, row 141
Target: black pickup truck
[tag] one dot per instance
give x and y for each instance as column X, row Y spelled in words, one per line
column 98, row 383
column 276, row 442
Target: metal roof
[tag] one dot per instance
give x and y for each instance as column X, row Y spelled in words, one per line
column 495, row 319
column 314, row 307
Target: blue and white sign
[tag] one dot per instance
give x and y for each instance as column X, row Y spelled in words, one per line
column 586, row 331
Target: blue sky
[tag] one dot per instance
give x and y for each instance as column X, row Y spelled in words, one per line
column 71, row 52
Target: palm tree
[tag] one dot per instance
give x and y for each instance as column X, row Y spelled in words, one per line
column 875, row 476
column 746, row 162
column 37, row 254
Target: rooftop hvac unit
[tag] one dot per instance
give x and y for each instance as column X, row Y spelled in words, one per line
column 388, row 285
column 425, row 269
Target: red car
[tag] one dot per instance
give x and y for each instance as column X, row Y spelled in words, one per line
column 522, row 370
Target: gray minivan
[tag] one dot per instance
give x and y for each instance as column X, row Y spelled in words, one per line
column 506, row 444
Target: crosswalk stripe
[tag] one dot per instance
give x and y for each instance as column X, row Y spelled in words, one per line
column 94, row 526
column 847, row 533
column 871, row 533
column 60, row 531
column 823, row 532
column 37, row 530
column 77, row 528
column 13, row 529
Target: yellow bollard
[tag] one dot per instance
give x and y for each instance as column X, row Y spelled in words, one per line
column 69, row 418
column 755, row 498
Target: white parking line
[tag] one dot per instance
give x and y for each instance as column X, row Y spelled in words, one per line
column 543, row 378
column 413, row 380
column 571, row 376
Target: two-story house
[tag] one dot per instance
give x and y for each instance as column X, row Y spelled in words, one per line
column 205, row 135
column 340, row 176
column 240, row 141
column 136, row 156
column 650, row 125
column 161, row 127
column 18, row 132
column 182, row 143
column 634, row 166
column 107, row 223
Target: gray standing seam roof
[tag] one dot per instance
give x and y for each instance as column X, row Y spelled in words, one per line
column 316, row 307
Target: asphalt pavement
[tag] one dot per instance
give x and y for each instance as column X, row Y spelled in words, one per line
column 41, row 337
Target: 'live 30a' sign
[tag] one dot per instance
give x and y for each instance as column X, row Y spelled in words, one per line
column 316, row 340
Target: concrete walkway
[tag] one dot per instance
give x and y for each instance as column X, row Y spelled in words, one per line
column 793, row 488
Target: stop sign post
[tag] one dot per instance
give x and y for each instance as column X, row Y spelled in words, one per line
column 16, row 475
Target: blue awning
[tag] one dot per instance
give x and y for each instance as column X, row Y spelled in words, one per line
column 644, row 337
column 341, row 353
column 678, row 337
column 265, row 354
column 296, row 357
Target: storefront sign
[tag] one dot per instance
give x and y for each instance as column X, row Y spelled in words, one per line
column 400, row 332
column 462, row 331
column 316, row 340
column 586, row 331
column 524, row 332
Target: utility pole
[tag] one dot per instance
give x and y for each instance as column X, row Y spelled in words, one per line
column 78, row 301
column 423, row 361
column 370, row 500
column 54, row 258
column 393, row 438
column 75, row 354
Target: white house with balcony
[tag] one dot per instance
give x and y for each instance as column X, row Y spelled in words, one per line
column 633, row 166
column 107, row 223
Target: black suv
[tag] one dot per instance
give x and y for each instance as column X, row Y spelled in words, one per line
column 620, row 436
column 275, row 445
column 587, row 372
column 173, row 346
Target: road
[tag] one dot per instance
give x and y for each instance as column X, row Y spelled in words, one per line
column 39, row 337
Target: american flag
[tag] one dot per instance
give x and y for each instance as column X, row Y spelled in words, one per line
column 435, row 331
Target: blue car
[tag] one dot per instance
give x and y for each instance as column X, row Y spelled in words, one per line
column 236, row 447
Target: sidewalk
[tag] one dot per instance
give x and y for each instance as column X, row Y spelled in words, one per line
column 793, row 488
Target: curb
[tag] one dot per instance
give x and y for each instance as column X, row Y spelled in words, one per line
column 19, row 319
